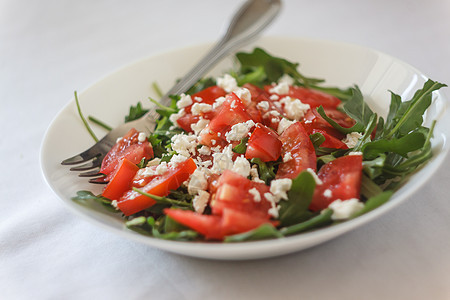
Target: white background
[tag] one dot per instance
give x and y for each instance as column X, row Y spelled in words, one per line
column 48, row 49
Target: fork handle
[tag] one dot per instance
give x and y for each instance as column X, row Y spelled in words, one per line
column 247, row 23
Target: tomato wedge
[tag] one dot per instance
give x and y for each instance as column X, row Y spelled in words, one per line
column 342, row 177
column 215, row 227
column 314, row 98
column 330, row 141
column 233, row 192
column 128, row 147
column 296, row 144
column 121, row 181
column 263, row 144
column 160, row 185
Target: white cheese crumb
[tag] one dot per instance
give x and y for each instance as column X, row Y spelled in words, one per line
column 204, row 150
column 227, row 82
column 142, row 137
column 154, row 170
column 355, row 153
column 287, row 157
column 280, row 187
column 275, row 98
column 185, row 100
column 254, row 174
column 283, row 125
column 281, row 88
column 154, row 162
column 184, row 144
column 218, row 102
column 286, row 79
column 223, row 160
column 241, row 166
column 199, row 202
column 199, row 126
column 174, row 117
column 198, row 99
column 263, row 105
column 294, row 108
column 314, row 175
column 343, row 209
column 197, row 182
column 114, row 204
column 244, row 95
column 176, row 159
column 327, row 193
column 256, row 195
column 119, row 139
column 352, row 139
column 239, row 131
column 199, row 108
column 274, row 211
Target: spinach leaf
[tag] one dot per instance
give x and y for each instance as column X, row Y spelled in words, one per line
column 295, row 209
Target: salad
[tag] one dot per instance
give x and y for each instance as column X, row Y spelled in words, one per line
column 262, row 152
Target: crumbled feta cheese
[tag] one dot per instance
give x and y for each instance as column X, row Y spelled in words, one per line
column 352, row 139
column 314, row 175
column 281, row 88
column 198, row 99
column 327, row 193
column 275, row 98
column 239, row 131
column 185, row 100
column 355, row 153
column 199, row 126
column 184, row 144
column 294, row 108
column 119, row 139
column 233, row 104
column 213, row 142
column 154, row 170
column 204, row 150
column 199, row 202
column 197, row 182
column 280, row 187
column 241, row 166
column 142, row 137
column 263, row 105
column 227, row 82
column 216, row 149
column 206, row 163
column 286, row 79
column 218, row 102
column 244, row 95
column 343, row 209
column 256, row 195
column 174, row 117
column 223, row 160
column 274, row 211
column 199, row 108
column 114, row 204
column 154, row 162
column 287, row 157
column 283, row 125
column 176, row 159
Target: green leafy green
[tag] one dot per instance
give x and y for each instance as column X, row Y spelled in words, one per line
column 164, row 200
column 84, row 196
column 135, row 112
column 241, row 147
column 402, row 146
column 265, row 231
column 86, row 125
column 373, row 203
column 295, row 209
column 266, row 170
column 324, row 218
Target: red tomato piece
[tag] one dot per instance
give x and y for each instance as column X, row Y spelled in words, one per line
column 263, row 144
column 160, row 185
column 232, row 112
column 330, row 141
column 128, row 147
column 313, row 120
column 297, row 143
column 342, row 177
column 216, row 227
column 312, row 97
column 121, row 181
column 233, row 193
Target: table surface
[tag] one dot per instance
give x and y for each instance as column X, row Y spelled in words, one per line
column 50, row 48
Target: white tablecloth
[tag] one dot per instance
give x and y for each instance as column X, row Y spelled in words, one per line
column 48, row 49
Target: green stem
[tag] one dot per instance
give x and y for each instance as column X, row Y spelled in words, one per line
column 99, row 123
column 163, row 200
column 83, row 119
column 157, row 90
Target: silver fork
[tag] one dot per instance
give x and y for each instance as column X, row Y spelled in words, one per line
column 247, row 23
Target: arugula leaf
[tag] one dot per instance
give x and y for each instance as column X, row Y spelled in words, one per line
column 295, row 209
column 135, row 112
column 407, row 116
column 324, row 218
column 164, row 200
column 357, row 108
column 369, row 188
column 317, row 139
column 373, row 203
column 83, row 196
column 402, row 146
column 358, row 127
column 265, row 231
column 266, row 170
column 149, row 226
column 241, row 147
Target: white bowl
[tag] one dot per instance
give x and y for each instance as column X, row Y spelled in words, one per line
column 340, row 64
